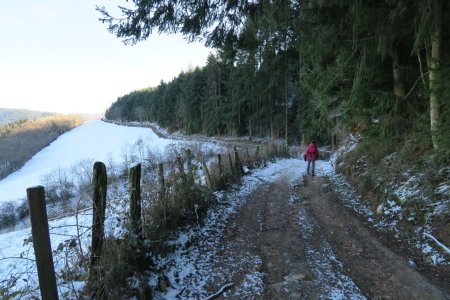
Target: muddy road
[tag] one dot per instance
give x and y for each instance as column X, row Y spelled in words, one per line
column 313, row 247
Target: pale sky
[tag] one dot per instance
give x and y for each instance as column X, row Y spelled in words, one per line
column 56, row 56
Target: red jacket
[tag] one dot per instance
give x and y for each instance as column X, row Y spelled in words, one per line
column 311, row 152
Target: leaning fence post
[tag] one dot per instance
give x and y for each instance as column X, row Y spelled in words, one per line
column 231, row 163
column 99, row 182
column 41, row 243
column 135, row 199
column 219, row 156
column 162, row 188
column 208, row 176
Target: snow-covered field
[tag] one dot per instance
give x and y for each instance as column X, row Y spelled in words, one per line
column 96, row 141
column 93, row 141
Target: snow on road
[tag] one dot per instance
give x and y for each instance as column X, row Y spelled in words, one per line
column 190, row 268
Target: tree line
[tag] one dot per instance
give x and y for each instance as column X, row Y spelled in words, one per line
column 300, row 69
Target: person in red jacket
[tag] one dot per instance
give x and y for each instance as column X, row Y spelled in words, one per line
column 311, row 155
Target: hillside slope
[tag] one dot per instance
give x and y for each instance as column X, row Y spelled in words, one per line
column 20, row 140
column 8, row 115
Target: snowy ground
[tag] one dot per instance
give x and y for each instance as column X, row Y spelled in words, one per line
column 96, row 141
column 188, row 269
column 185, row 267
column 93, row 141
column 192, row 267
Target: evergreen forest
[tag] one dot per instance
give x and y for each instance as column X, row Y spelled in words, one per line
column 298, row 70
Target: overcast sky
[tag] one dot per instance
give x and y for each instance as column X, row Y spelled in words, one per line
column 56, row 56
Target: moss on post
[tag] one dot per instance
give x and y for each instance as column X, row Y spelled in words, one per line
column 99, row 182
column 41, row 243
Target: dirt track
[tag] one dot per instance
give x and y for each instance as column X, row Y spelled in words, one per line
column 312, row 247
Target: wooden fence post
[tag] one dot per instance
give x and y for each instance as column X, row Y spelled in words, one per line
column 162, row 184
column 99, row 182
column 220, row 165
column 221, row 181
column 257, row 162
column 208, row 176
column 162, row 189
column 181, row 169
column 190, row 168
column 134, row 180
column 237, row 162
column 189, row 161
column 41, row 243
column 161, row 178
column 231, row 163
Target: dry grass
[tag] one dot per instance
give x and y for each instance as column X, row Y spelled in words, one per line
column 20, row 143
column 188, row 191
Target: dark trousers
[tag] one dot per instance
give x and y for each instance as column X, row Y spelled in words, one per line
column 313, row 163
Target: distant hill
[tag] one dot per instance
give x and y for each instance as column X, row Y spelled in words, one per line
column 21, row 140
column 8, row 115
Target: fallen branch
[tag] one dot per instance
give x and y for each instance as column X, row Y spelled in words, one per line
column 437, row 242
column 220, row 292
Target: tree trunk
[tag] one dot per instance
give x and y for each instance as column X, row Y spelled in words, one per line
column 399, row 87
column 435, row 60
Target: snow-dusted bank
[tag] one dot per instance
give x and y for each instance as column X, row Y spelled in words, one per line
column 95, row 141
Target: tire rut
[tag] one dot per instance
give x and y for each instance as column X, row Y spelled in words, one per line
column 308, row 245
column 379, row 272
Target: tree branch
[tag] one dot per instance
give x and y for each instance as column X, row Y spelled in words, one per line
column 220, row 292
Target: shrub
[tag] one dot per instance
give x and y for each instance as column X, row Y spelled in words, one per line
column 8, row 216
column 58, row 186
column 23, row 210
